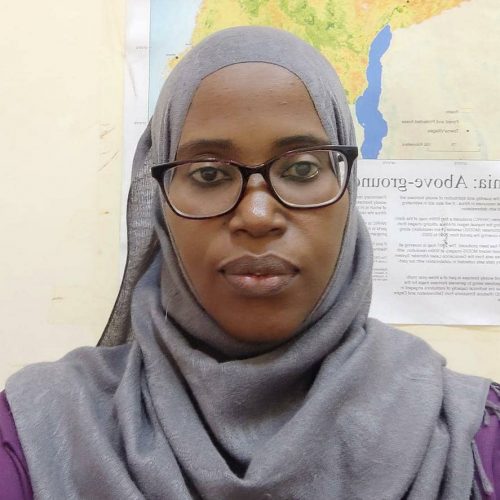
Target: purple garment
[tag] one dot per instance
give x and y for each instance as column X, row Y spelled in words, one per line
column 14, row 479
column 15, row 483
column 487, row 447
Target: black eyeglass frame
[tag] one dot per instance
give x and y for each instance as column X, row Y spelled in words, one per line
column 350, row 153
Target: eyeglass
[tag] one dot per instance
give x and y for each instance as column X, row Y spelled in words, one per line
column 310, row 177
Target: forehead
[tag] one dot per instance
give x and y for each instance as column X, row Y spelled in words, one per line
column 251, row 104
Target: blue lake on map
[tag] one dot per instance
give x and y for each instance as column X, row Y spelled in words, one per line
column 367, row 112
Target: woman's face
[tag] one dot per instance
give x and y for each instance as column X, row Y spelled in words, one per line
column 260, row 269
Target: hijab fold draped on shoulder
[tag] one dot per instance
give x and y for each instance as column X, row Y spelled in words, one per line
column 170, row 407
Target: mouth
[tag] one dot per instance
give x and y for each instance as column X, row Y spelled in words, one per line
column 258, row 276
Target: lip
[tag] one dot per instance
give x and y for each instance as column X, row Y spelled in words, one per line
column 258, row 275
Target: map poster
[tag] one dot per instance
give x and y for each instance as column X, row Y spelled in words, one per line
column 421, row 79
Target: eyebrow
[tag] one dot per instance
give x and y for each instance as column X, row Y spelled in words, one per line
column 300, row 140
column 294, row 141
column 206, row 144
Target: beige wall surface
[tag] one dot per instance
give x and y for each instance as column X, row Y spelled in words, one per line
column 61, row 102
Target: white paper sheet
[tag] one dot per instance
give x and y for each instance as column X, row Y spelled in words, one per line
column 435, row 227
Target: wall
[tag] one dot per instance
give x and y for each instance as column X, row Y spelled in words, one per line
column 61, row 102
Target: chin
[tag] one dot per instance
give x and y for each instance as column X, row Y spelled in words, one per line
column 260, row 333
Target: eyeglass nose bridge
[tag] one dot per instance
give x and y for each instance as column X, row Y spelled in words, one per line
column 263, row 169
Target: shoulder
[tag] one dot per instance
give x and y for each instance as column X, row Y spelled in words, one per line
column 403, row 353
column 90, row 366
column 487, row 447
column 48, row 402
column 14, row 477
column 401, row 341
column 419, row 364
column 87, row 377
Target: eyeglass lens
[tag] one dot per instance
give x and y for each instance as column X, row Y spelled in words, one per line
column 302, row 179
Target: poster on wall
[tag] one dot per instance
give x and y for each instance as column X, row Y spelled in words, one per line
column 422, row 82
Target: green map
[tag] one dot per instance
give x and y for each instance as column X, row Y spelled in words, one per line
column 419, row 75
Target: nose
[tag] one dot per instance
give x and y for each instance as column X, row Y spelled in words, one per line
column 258, row 213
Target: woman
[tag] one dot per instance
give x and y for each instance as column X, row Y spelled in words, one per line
column 239, row 362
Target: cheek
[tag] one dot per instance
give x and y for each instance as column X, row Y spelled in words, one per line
column 324, row 232
column 193, row 239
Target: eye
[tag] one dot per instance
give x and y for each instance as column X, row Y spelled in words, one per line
column 301, row 171
column 210, row 174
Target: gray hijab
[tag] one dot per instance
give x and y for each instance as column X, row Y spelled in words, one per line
column 170, row 407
